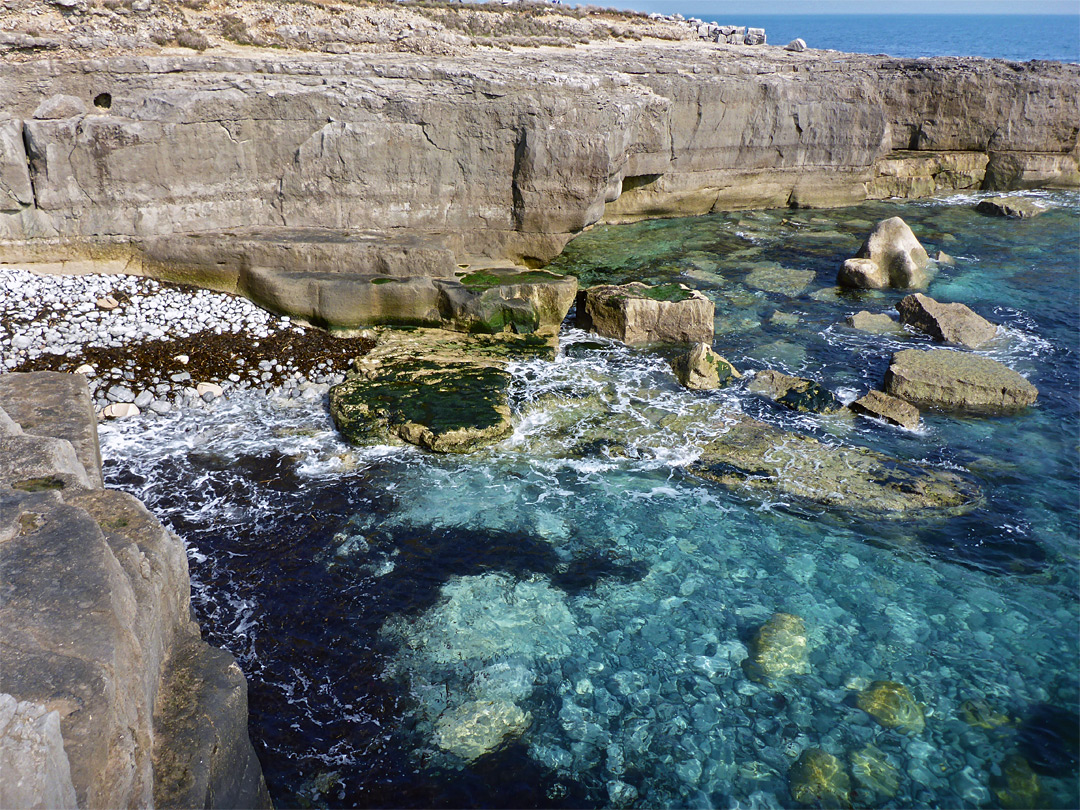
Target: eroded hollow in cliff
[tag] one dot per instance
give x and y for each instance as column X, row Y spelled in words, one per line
column 103, row 100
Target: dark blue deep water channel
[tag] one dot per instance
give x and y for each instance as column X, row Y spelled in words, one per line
column 580, row 589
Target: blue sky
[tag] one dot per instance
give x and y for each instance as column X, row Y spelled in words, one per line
column 702, row 8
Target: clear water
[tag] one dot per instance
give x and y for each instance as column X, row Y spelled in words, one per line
column 580, row 573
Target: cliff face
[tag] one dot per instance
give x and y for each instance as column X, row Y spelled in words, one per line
column 493, row 156
column 108, row 695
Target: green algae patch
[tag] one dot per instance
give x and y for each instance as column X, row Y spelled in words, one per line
column 444, row 407
column 670, row 293
column 487, row 279
column 447, row 392
column 38, row 484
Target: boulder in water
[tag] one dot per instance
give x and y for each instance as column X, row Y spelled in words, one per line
column 892, row 410
column 819, row 778
column 797, row 393
column 957, row 381
column 946, row 323
column 1010, row 207
column 891, row 256
column 873, row 771
column 879, row 323
column 892, row 705
column 702, row 369
column 638, row 314
column 1018, row 787
column 479, row 727
column 778, row 649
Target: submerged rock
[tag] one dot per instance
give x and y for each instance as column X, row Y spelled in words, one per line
column 478, row 727
column 757, row 456
column 957, row 381
column 1010, row 207
column 946, row 323
column 638, row 314
column 778, row 649
column 878, row 323
column 892, row 705
column 443, row 391
column 873, row 771
column 776, row 278
column 980, row 714
column 1017, row 787
column 702, row 369
column 797, row 393
column 891, row 256
column 892, row 410
column 819, row 778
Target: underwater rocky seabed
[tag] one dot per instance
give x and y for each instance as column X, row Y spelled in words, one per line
column 598, row 599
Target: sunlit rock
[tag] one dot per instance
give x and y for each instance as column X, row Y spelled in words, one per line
column 892, row 705
column 477, row 728
column 946, row 323
column 638, row 314
column 702, row 369
column 892, row 410
column 891, row 256
column 957, row 381
column 819, row 778
column 778, row 649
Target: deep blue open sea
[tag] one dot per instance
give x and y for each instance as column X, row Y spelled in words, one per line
column 1019, row 37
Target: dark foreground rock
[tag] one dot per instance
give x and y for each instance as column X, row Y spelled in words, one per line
column 757, row 456
column 957, row 381
column 946, row 323
column 638, row 314
column 797, row 393
column 891, row 256
column 1010, row 207
column 96, row 616
column 702, row 369
column 439, row 390
column 892, row 410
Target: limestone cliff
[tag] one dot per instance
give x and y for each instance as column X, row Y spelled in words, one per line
column 413, row 165
column 109, row 698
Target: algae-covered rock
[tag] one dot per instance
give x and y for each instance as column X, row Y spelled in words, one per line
column 892, row 705
column 877, row 323
column 946, row 323
column 443, row 391
column 1010, row 207
column 702, row 369
column 892, row 410
column 874, row 772
column 479, row 727
column 819, row 778
column 776, row 278
column 891, row 256
column 638, row 314
column 957, row 381
column 757, row 456
column 1017, row 787
column 797, row 393
column 778, row 649
column 499, row 298
column 981, row 714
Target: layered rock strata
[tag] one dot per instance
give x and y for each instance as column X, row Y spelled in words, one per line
column 206, row 167
column 96, row 633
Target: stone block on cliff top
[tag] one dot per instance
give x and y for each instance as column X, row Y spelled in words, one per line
column 638, row 314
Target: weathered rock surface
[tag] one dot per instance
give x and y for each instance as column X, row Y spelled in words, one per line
column 878, row 323
column 797, row 393
column 499, row 158
column 756, row 456
column 892, row 705
column 891, row 256
column 946, row 323
column 445, row 392
column 34, row 769
column 892, row 410
column 702, row 369
column 96, row 605
column 957, row 381
column 1011, row 207
column 638, row 314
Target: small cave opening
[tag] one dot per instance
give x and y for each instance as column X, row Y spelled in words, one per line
column 103, row 100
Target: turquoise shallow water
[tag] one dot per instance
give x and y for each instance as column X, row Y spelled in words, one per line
column 578, row 574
